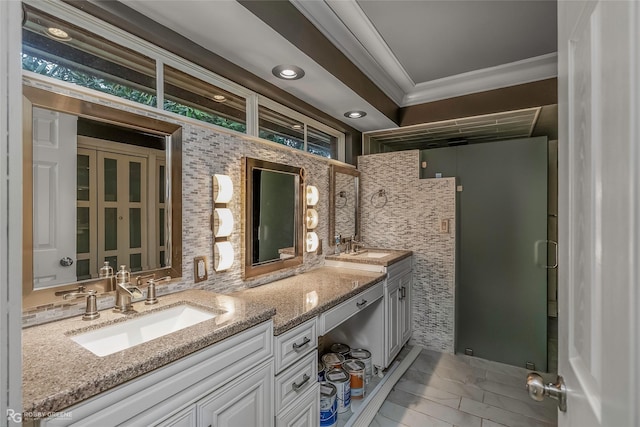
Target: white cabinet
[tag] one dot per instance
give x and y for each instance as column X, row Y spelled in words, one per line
column 305, row 412
column 246, row 401
column 397, row 293
column 297, row 392
column 175, row 394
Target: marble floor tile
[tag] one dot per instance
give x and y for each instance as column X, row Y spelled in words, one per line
column 382, row 421
column 508, row 418
column 436, row 410
column 458, row 390
column 409, row 417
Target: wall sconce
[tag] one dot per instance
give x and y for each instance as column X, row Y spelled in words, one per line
column 312, row 241
column 222, row 223
column 222, row 189
column 223, row 256
column 312, row 218
column 312, row 195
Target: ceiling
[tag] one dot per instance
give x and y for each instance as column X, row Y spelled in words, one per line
column 412, row 52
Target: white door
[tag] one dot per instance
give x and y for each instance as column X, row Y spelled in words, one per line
column 54, row 198
column 599, row 201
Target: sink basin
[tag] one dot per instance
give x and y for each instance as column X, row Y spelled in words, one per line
column 373, row 254
column 114, row 338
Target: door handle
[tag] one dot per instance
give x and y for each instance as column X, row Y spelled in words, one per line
column 538, row 390
column 298, row 347
column 555, row 265
column 297, row 386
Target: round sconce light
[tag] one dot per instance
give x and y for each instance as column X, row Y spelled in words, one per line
column 222, row 188
column 312, row 218
column 223, row 256
column 312, row 241
column 222, row 222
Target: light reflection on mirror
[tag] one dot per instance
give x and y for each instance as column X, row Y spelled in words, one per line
column 273, row 206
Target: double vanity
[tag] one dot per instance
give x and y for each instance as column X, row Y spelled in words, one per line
column 246, row 358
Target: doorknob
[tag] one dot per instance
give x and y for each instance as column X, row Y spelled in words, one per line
column 538, row 390
column 66, row 261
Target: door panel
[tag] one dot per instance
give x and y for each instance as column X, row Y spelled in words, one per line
column 502, row 283
column 54, row 192
column 599, row 96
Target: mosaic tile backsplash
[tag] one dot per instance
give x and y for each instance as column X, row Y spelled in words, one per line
column 401, row 211
column 207, row 152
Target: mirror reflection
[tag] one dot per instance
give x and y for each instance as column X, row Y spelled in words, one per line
column 97, row 189
column 344, row 202
column 273, row 207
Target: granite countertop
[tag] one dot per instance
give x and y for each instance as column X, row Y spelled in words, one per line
column 362, row 257
column 304, row 296
column 58, row 373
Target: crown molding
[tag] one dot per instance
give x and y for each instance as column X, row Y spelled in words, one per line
column 515, row 73
column 367, row 50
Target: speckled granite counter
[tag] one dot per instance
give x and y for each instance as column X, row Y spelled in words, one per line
column 363, row 257
column 58, row 373
column 304, row 296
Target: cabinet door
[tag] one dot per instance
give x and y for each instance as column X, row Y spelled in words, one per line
column 392, row 330
column 305, row 412
column 184, row 418
column 405, row 307
column 245, row 401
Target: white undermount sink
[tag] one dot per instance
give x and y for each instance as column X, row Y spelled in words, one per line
column 370, row 254
column 114, row 338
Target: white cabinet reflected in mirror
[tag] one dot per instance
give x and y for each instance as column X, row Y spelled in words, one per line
column 344, row 202
column 97, row 187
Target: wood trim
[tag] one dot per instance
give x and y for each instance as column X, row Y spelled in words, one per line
column 535, row 94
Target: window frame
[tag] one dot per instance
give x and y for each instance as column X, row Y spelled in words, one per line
column 162, row 57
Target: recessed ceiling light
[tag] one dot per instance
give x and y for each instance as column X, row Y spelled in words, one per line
column 296, row 126
column 288, row 72
column 219, row 98
column 355, row 114
column 58, row 34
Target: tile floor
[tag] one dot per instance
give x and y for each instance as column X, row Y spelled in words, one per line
column 446, row 390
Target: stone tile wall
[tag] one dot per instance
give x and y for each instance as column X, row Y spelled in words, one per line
column 208, row 151
column 407, row 216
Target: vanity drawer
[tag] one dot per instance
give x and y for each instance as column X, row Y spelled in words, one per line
column 296, row 380
column 400, row 267
column 338, row 314
column 295, row 343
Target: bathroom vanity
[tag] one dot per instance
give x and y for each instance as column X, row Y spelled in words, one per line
column 253, row 361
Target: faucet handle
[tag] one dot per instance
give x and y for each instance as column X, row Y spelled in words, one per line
column 151, row 293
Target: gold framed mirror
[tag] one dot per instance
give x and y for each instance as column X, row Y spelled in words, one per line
column 164, row 210
column 273, row 207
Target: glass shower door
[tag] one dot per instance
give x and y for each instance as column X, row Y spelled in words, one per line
column 502, row 229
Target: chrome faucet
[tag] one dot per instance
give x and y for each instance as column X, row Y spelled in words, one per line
column 91, row 310
column 356, row 245
column 125, row 292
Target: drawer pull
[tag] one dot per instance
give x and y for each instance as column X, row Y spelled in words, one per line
column 361, row 303
column 297, row 386
column 298, row 347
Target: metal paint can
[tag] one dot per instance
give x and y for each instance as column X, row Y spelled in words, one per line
column 355, row 369
column 365, row 357
column 328, row 405
column 320, row 371
column 340, row 348
column 332, row 360
column 341, row 380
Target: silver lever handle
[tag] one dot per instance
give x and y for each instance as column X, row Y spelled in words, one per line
column 298, row 347
column 361, row 303
column 538, row 390
column 297, row 386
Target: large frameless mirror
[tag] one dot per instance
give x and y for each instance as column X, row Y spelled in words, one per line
column 100, row 185
column 272, row 216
